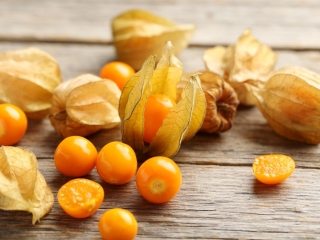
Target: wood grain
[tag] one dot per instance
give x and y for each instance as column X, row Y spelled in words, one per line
column 281, row 24
column 219, row 198
column 250, row 130
column 76, row 59
column 221, row 202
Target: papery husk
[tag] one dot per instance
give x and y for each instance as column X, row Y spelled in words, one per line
column 290, row 101
column 138, row 34
column 183, row 120
column 28, row 78
column 246, row 62
column 85, row 105
column 22, row 186
column 221, row 98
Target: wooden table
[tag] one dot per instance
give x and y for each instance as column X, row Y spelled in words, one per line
column 219, row 197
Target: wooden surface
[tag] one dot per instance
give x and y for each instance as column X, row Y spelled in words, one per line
column 219, row 197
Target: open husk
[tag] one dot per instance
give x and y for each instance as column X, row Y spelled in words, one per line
column 246, row 62
column 138, row 34
column 290, row 101
column 22, row 186
column 85, row 105
column 28, row 78
column 183, row 120
column 222, row 101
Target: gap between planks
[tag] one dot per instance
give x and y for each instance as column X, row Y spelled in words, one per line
column 33, row 40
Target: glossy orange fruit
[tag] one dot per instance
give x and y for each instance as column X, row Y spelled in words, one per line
column 116, row 163
column 80, row 197
column 118, row 72
column 156, row 109
column 75, row 156
column 13, row 124
column 159, row 179
column 118, row 224
column 273, row 168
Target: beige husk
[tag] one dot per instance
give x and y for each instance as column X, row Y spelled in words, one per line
column 246, row 62
column 222, row 101
column 290, row 101
column 85, row 105
column 22, row 186
column 183, row 120
column 138, row 34
column 28, row 78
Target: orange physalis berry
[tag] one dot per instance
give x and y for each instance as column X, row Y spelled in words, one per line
column 13, row 124
column 159, row 179
column 118, row 72
column 80, row 197
column 273, row 168
column 118, row 223
column 157, row 108
column 116, row 163
column 75, row 156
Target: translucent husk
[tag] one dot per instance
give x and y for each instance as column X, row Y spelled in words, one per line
column 138, row 34
column 290, row 101
column 22, row 186
column 28, row 78
column 183, row 120
column 85, row 105
column 222, row 101
column 246, row 62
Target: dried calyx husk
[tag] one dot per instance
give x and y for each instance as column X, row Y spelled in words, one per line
column 28, row 78
column 85, row 105
column 138, row 34
column 246, row 62
column 183, row 120
column 22, row 186
column 290, row 101
column 221, row 98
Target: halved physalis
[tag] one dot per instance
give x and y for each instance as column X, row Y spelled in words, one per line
column 180, row 123
column 80, row 197
column 273, row 168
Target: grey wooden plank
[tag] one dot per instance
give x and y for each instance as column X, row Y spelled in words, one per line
column 219, row 197
column 250, row 136
column 220, row 202
column 281, row 24
column 76, row 59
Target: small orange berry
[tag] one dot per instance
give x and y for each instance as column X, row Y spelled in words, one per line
column 118, row 223
column 116, row 163
column 159, row 179
column 13, row 124
column 75, row 156
column 118, row 72
column 157, row 108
